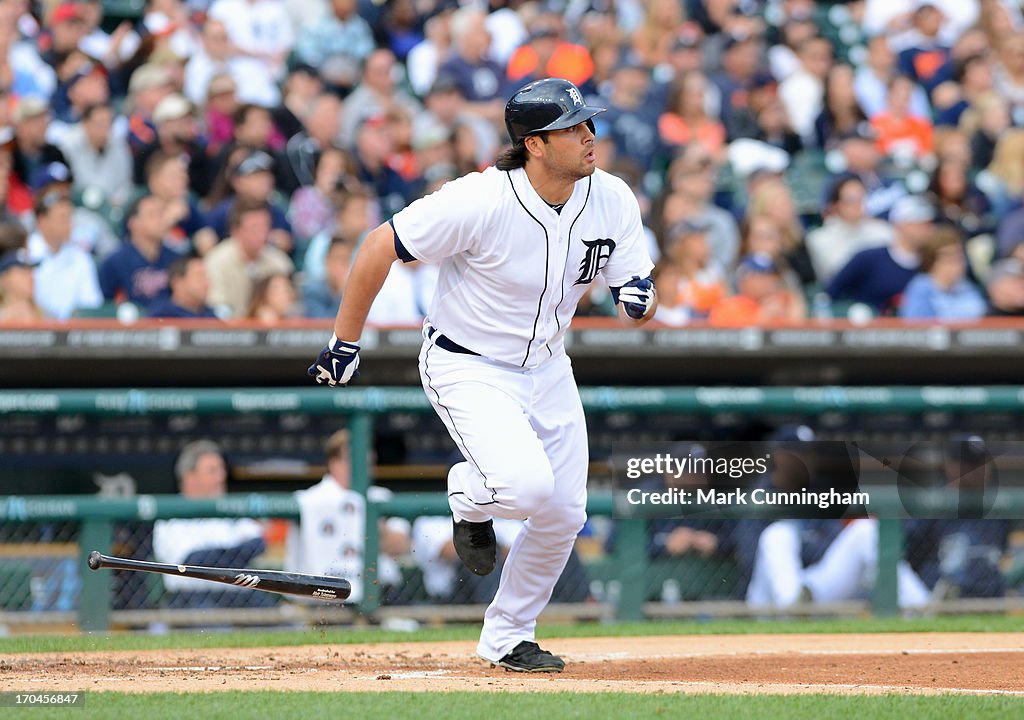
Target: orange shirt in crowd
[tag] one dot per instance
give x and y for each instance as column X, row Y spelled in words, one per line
column 676, row 131
column 572, row 62
column 893, row 131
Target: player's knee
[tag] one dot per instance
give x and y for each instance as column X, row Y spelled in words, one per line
column 533, row 494
column 778, row 537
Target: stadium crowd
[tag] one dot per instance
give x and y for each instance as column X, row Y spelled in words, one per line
column 225, row 158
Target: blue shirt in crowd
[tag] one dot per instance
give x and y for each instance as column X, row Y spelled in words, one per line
column 924, row 299
column 872, row 277
column 130, row 274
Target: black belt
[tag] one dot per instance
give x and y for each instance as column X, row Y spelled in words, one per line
column 447, row 344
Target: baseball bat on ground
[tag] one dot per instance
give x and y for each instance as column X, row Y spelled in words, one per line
column 321, row 587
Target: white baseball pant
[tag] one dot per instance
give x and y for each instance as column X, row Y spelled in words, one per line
column 846, row 571
column 524, row 438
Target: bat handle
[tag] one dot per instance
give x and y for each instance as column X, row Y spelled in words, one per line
column 95, row 560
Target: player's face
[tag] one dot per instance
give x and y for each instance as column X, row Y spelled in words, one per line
column 570, row 152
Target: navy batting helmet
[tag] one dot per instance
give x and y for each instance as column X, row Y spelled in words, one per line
column 549, row 104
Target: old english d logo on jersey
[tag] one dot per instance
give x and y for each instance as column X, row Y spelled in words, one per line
column 598, row 252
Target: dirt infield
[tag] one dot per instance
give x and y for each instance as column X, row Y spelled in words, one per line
column 971, row 663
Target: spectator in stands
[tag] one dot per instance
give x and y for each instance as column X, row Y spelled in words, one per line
column 372, row 149
column 252, row 178
column 901, row 135
column 972, row 79
column 98, row 153
column 375, row 95
column 216, row 542
column 426, row 57
column 32, row 151
column 960, row 203
column 137, row 272
column 1005, row 288
column 878, row 276
column 148, row 85
column 961, row 557
column 321, row 125
column 244, row 257
column 480, row 79
column 190, row 288
column 632, row 120
column 771, row 197
column 83, row 83
column 841, row 112
column 692, row 280
column 351, row 222
column 89, row 230
column 336, row 45
column 847, row 229
column 217, row 56
column 27, row 75
column 686, row 120
column 871, row 80
column 926, row 59
column 652, row 40
column 321, row 297
column 252, row 128
column 331, row 534
column 274, row 300
column 1003, row 183
column 548, row 54
column 740, row 72
column 1009, row 73
column 167, row 180
column 177, row 133
column 941, row 290
column 218, row 112
column 65, row 277
column 985, row 122
column 862, row 158
column 761, row 296
column 257, row 30
column 311, row 211
column 446, row 109
column 17, row 291
column 803, row 92
column 691, row 189
column 60, row 35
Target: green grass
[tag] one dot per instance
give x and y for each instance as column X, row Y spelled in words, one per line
column 338, row 635
column 557, row 706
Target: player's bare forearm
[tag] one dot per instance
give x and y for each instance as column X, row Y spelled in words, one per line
column 370, row 270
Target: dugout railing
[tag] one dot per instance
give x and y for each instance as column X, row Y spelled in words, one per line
column 629, row 564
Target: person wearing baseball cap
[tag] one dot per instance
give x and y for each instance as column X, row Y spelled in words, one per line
column 17, row 290
column 761, row 296
column 177, row 133
column 251, row 178
column 31, row 118
column 877, row 276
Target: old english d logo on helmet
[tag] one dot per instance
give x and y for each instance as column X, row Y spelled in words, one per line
column 549, row 104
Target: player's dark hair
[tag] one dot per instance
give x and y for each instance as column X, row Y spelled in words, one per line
column 513, row 158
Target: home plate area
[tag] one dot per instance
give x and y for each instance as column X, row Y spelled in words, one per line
column 909, row 663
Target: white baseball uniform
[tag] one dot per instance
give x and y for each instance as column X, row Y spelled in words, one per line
column 493, row 361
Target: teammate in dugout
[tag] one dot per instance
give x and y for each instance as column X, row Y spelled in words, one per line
column 518, row 245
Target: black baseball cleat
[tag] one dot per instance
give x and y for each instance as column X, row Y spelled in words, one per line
column 527, row 656
column 476, row 545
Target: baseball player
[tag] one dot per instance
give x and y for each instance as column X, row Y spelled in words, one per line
column 518, row 245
